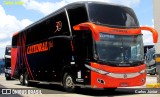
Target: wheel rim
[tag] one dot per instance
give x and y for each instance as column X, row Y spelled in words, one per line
column 26, row 80
column 69, row 82
column 21, row 79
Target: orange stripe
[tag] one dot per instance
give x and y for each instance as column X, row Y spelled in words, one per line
column 15, row 34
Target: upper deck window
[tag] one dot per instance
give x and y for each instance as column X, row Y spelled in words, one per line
column 111, row 15
column 77, row 15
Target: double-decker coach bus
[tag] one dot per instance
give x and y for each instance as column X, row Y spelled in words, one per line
column 82, row 44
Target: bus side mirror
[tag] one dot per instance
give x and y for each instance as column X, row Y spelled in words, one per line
column 81, row 27
column 153, row 31
column 88, row 26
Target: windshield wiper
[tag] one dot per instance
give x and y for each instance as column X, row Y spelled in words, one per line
column 102, row 61
column 106, row 62
column 136, row 62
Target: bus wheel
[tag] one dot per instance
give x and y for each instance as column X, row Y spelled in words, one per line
column 8, row 78
column 21, row 79
column 26, row 82
column 68, row 83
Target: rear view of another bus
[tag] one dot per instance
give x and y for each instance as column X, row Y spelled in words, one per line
column 150, row 61
column 7, row 58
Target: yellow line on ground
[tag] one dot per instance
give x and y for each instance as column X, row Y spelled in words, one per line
column 158, row 59
column 153, row 85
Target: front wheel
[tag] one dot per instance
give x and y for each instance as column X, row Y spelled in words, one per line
column 68, row 83
column 26, row 82
column 8, row 78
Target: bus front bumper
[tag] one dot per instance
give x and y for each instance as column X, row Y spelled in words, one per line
column 121, row 80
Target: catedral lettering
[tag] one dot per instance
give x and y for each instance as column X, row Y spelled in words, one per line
column 100, row 46
column 41, row 47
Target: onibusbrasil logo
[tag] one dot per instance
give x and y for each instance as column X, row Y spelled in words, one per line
column 13, row 2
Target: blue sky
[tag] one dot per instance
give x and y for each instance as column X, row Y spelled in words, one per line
column 15, row 17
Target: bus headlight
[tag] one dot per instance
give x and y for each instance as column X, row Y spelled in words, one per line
column 97, row 70
column 142, row 71
column 102, row 72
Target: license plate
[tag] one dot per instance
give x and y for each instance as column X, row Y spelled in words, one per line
column 123, row 84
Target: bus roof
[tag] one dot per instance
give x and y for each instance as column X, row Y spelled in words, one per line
column 71, row 5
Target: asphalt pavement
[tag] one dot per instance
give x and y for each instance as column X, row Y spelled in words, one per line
column 47, row 90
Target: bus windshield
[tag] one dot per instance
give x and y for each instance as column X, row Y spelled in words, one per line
column 113, row 16
column 120, row 48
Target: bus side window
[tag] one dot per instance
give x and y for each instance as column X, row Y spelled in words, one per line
column 14, row 41
column 77, row 15
column 36, row 34
column 58, row 25
column 83, row 45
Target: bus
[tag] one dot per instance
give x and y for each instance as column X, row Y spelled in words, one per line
column 150, row 59
column 2, row 66
column 7, row 60
column 83, row 44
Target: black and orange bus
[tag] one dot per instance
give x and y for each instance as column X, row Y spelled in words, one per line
column 92, row 44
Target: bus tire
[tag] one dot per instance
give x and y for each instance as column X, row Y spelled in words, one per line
column 8, row 78
column 26, row 82
column 21, row 79
column 68, row 83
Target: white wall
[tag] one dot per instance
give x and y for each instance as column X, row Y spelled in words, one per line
column 156, row 14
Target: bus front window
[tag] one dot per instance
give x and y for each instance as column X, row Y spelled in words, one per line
column 120, row 48
column 112, row 16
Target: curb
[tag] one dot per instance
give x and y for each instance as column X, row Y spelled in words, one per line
column 153, row 85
